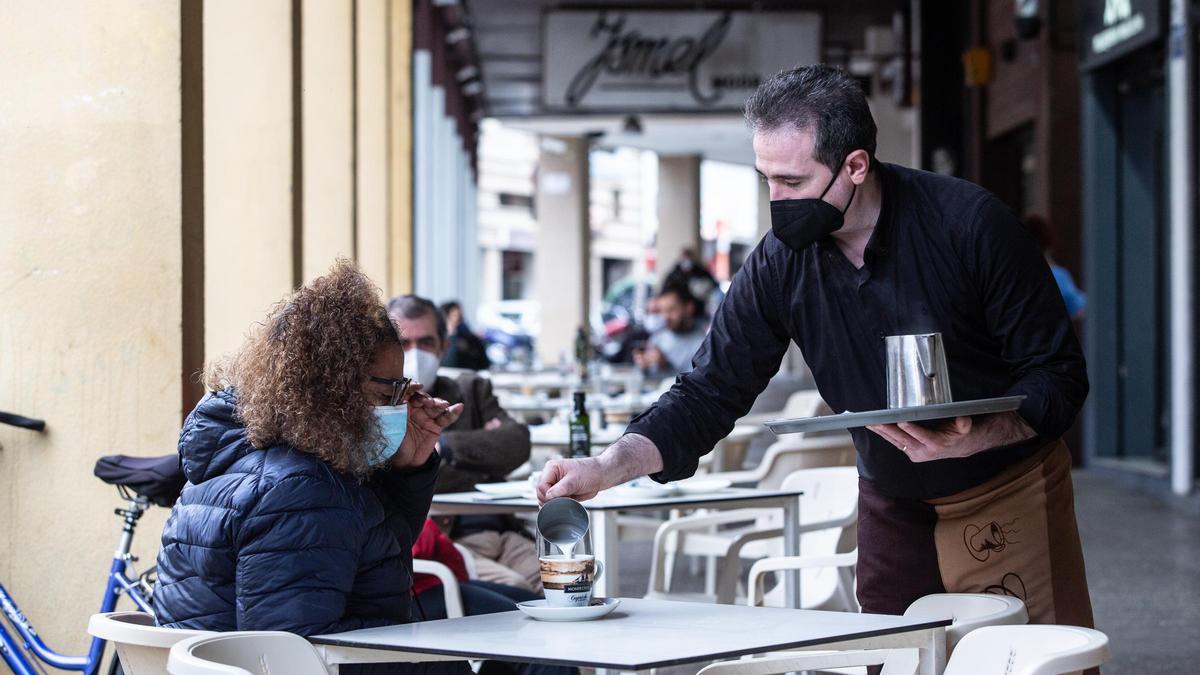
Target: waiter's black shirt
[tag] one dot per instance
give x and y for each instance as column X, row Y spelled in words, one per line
column 946, row 256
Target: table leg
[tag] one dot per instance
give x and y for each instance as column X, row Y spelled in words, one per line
column 791, row 546
column 604, row 544
column 932, row 654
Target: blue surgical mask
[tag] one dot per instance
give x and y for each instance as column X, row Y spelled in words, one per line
column 393, row 423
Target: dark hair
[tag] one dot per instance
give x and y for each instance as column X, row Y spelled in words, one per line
column 449, row 306
column 300, row 374
column 680, row 289
column 818, row 97
column 415, row 307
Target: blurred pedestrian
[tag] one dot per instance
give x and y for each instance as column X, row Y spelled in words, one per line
column 1074, row 298
column 464, row 349
column 670, row 349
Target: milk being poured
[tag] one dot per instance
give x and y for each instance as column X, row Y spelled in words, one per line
column 563, row 523
column 565, row 538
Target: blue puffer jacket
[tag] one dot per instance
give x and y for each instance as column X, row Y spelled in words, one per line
column 274, row 539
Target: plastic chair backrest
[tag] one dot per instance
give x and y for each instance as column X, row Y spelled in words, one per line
column 1028, row 650
column 794, row 452
column 803, row 403
column 246, row 653
column 969, row 611
column 830, row 493
column 142, row 647
column 468, row 557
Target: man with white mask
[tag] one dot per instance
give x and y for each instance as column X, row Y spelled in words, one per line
column 483, row 446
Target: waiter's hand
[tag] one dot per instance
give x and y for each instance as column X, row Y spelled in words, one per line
column 632, row 456
column 579, row 479
column 963, row 437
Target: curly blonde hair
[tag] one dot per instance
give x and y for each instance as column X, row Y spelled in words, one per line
column 299, row 376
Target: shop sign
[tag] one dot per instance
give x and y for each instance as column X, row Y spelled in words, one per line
column 664, row 61
column 1110, row 29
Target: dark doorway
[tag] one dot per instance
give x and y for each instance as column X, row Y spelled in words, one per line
column 1008, row 167
column 1143, row 267
column 1128, row 310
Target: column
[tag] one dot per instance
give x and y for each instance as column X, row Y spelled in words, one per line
column 1181, row 113
column 764, row 208
column 327, row 140
column 249, row 245
column 678, row 209
column 401, row 73
column 371, row 140
column 563, row 253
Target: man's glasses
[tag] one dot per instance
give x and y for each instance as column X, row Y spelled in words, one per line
column 399, row 387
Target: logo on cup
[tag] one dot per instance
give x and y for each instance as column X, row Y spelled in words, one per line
column 569, row 582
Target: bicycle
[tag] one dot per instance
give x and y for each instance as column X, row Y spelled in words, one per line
column 141, row 482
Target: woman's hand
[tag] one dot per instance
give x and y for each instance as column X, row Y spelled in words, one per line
column 427, row 418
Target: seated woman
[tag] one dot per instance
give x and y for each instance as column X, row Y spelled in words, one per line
column 310, row 468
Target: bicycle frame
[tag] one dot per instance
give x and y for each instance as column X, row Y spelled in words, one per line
column 120, row 580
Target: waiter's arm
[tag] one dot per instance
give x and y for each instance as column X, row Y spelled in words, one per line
column 1025, row 314
column 740, row 354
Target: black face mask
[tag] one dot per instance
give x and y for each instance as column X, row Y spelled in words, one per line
column 800, row 222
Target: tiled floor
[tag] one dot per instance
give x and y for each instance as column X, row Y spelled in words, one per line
column 1143, row 561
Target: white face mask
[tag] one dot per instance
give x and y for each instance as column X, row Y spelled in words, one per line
column 421, row 366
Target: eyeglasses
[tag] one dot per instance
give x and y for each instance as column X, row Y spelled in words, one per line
column 399, row 387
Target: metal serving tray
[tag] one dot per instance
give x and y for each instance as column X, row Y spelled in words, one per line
column 921, row 413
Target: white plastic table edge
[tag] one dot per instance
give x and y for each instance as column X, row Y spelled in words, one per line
column 929, row 642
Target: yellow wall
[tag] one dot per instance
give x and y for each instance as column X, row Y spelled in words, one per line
column 106, row 181
column 328, row 140
column 90, row 260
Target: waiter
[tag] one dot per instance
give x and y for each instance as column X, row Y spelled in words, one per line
column 859, row 250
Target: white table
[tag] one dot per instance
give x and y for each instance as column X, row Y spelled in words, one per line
column 605, row 507
column 639, row 635
column 609, row 405
column 555, row 435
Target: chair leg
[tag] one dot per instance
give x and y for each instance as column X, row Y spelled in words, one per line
column 710, row 575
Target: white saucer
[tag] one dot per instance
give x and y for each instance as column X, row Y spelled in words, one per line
column 700, row 486
column 644, row 488
column 538, row 609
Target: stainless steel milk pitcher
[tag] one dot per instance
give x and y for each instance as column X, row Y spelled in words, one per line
column 916, row 370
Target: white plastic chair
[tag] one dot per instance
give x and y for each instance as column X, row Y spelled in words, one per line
column 468, row 557
column 246, row 653
column 791, row 453
column 1029, row 650
column 828, row 514
column 142, row 647
column 450, row 590
column 826, row 581
column 968, row 611
column 991, row 650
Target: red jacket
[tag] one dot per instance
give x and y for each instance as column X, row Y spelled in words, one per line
column 433, row 544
